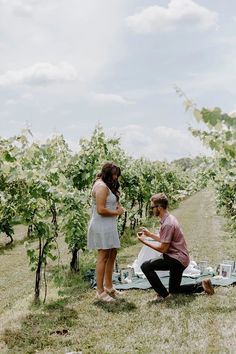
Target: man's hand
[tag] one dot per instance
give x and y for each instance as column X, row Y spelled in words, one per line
column 145, row 231
column 141, row 236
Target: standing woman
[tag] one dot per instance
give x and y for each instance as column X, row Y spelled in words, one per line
column 102, row 232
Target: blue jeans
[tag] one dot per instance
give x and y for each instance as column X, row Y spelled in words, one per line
column 176, row 270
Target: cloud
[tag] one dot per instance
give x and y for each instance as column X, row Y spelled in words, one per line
column 225, row 40
column 39, row 74
column 222, row 79
column 108, row 98
column 23, row 10
column 232, row 114
column 24, row 98
column 87, row 34
column 178, row 12
column 158, row 143
column 11, row 102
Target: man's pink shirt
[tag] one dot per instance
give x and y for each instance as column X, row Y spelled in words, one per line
column 170, row 232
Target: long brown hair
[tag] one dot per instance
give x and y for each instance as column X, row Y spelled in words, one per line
column 108, row 170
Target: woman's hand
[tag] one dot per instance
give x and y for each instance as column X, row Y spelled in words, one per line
column 119, row 209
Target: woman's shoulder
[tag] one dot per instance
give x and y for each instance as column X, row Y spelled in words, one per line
column 99, row 184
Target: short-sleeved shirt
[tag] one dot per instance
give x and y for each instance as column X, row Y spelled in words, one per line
column 170, row 232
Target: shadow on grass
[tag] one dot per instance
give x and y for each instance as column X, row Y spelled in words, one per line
column 69, row 284
column 48, row 326
column 173, row 302
column 120, row 305
column 10, row 245
column 7, row 246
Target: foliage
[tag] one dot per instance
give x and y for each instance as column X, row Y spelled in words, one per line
column 220, row 136
column 48, row 188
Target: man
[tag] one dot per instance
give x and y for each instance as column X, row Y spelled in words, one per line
column 175, row 253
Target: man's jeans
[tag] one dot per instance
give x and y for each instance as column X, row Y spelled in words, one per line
column 176, row 270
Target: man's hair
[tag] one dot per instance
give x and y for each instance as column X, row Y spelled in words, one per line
column 160, row 199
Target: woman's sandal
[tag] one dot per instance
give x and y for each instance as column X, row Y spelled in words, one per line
column 112, row 291
column 104, row 297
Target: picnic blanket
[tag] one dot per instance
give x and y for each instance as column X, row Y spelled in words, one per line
column 191, row 275
column 143, row 283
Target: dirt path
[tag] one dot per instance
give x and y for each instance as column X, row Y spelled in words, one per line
column 203, row 228
column 204, row 231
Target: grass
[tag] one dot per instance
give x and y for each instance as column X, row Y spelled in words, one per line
column 48, row 326
column 74, row 321
column 18, row 237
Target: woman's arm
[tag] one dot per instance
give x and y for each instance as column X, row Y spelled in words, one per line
column 101, row 195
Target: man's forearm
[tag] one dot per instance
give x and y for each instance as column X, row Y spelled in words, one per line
column 154, row 247
column 154, row 237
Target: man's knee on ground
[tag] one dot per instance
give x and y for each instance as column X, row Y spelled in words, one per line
column 174, row 290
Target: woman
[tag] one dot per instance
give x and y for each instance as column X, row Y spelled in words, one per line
column 102, row 232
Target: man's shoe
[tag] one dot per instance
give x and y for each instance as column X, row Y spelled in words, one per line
column 208, row 287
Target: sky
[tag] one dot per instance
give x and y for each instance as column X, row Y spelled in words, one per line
column 67, row 65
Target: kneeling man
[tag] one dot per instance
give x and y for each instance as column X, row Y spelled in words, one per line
column 175, row 253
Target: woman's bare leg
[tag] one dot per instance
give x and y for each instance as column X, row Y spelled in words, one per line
column 102, row 259
column 109, row 268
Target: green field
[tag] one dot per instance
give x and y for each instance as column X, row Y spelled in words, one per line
column 182, row 324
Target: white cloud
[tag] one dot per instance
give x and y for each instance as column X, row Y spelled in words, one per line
column 157, row 18
column 11, row 102
column 222, row 79
column 23, row 10
column 159, row 143
column 24, row 98
column 108, row 98
column 86, row 34
column 39, row 74
column 232, row 114
column 227, row 40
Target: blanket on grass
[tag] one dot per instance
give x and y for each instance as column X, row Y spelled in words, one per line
column 143, row 283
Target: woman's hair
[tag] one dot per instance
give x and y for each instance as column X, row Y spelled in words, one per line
column 108, row 170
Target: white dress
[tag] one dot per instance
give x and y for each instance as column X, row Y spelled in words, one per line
column 102, row 230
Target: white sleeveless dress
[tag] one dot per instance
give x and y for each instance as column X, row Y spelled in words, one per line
column 102, row 230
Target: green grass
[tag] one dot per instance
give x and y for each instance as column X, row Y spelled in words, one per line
column 42, row 328
column 75, row 321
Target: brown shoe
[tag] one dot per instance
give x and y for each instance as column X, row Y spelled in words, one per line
column 208, row 287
